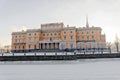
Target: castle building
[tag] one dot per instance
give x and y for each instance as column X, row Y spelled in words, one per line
column 55, row 36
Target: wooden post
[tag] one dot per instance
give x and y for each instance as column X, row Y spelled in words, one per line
column 56, row 53
column 45, row 54
column 74, row 53
column 93, row 52
column 66, row 53
column 84, row 52
column 13, row 54
column 102, row 52
column 35, row 54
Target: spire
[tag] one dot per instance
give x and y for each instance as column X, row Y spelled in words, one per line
column 87, row 24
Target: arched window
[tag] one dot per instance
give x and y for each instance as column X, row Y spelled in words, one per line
column 15, row 47
column 23, row 47
column 29, row 34
column 29, row 46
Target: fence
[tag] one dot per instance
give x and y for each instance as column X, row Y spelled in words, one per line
column 57, row 55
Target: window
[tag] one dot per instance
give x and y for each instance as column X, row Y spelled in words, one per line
column 47, row 34
column 43, row 34
column 16, row 36
column 64, row 32
column 35, row 38
column 23, row 40
column 70, row 31
column 51, row 34
column 29, row 46
column 92, row 32
column 87, row 32
column 93, row 37
column 34, row 46
column 64, row 37
column 87, row 37
column 55, row 34
column 59, row 33
column 23, row 47
column 29, row 34
column 50, row 39
column 29, row 38
column 71, row 37
column 82, row 32
column 15, row 40
column 35, row 34
column 83, row 37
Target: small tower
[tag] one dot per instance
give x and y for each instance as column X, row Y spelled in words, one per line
column 87, row 24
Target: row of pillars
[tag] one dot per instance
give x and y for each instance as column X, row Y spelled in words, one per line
column 49, row 45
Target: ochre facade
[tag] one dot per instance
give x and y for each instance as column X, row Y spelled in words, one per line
column 53, row 36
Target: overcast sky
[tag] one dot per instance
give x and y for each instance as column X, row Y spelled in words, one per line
column 18, row 14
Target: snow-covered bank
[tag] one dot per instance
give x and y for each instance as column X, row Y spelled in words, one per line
column 83, row 69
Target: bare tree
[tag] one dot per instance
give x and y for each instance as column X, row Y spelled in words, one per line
column 0, row 48
column 109, row 46
column 117, row 43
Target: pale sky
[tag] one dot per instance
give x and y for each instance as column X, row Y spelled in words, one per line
column 18, row 14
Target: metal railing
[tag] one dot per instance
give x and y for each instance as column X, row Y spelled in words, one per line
column 58, row 53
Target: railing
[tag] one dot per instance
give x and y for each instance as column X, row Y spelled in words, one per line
column 37, row 54
column 58, row 53
column 56, row 56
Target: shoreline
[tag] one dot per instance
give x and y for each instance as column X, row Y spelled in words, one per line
column 56, row 56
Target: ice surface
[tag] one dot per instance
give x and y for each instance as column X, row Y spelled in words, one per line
column 83, row 69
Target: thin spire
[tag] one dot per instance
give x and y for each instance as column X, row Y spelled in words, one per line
column 87, row 24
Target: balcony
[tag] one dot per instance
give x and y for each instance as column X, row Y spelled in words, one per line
column 17, row 43
column 85, row 40
column 50, row 41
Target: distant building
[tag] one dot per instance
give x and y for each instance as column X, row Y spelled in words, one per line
column 5, row 49
column 57, row 36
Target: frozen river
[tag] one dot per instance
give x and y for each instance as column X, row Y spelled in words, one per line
column 86, row 69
